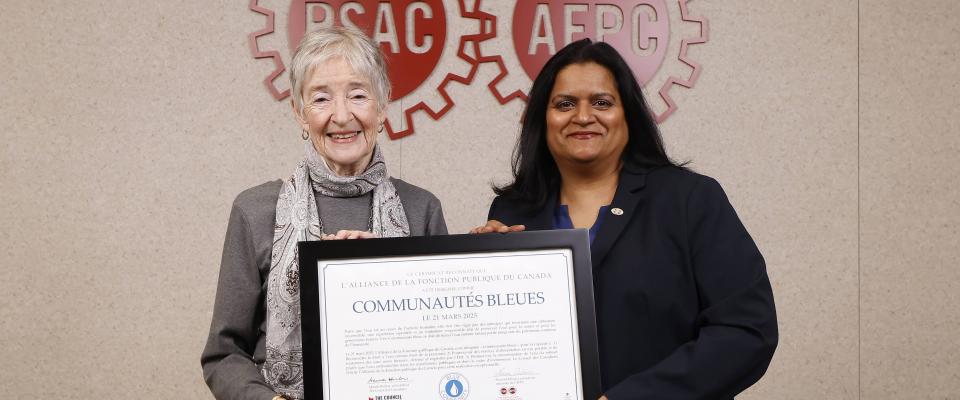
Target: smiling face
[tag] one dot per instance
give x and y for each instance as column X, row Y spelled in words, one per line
column 341, row 114
column 585, row 120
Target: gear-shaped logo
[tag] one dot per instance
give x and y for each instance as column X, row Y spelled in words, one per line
column 639, row 29
column 412, row 34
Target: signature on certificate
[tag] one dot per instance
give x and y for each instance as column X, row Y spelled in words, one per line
column 400, row 378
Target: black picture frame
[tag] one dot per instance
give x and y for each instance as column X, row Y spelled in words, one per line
column 576, row 240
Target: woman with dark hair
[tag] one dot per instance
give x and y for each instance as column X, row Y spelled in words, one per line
column 683, row 303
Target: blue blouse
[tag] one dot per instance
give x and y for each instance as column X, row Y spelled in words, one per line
column 561, row 219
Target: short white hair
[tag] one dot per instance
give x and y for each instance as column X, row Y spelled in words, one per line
column 359, row 51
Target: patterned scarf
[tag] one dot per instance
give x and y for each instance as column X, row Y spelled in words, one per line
column 298, row 220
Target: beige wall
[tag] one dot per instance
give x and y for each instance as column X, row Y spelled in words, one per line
column 910, row 203
column 128, row 128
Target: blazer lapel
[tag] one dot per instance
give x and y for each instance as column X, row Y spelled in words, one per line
column 543, row 219
column 626, row 203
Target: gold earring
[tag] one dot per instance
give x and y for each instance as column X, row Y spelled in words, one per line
column 305, row 135
column 380, row 130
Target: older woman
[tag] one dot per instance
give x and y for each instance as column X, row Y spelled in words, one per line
column 683, row 303
column 338, row 191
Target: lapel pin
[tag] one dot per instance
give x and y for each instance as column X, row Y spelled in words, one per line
column 616, row 211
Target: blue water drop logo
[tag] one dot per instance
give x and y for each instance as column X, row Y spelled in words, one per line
column 454, row 388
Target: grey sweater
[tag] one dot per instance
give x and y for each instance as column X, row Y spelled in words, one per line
column 235, row 348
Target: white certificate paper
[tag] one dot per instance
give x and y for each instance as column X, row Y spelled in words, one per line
column 452, row 327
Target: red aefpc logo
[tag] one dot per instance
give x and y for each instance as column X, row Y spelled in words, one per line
column 639, row 29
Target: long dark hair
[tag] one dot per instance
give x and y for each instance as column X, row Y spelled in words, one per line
column 535, row 173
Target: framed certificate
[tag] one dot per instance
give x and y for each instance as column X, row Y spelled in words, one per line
column 490, row 316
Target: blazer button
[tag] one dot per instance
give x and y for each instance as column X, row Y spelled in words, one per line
column 616, row 211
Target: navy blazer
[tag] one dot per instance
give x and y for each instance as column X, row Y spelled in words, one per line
column 683, row 303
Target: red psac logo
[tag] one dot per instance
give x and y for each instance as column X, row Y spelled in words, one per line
column 410, row 33
column 423, row 38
